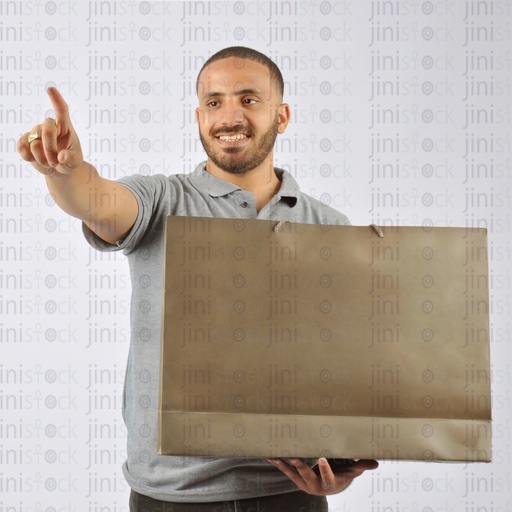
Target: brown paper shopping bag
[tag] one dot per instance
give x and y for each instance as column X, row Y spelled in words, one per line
column 283, row 339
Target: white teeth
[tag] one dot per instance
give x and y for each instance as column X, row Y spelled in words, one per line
column 237, row 136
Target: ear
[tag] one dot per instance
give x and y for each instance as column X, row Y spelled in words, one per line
column 283, row 114
column 198, row 115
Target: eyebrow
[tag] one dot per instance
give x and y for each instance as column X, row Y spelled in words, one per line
column 238, row 93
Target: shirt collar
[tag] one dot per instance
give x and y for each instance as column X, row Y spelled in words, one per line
column 215, row 187
column 210, row 184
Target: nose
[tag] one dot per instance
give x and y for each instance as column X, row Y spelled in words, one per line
column 231, row 113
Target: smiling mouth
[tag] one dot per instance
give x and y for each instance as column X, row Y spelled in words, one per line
column 236, row 136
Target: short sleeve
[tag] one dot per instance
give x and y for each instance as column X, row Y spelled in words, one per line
column 153, row 196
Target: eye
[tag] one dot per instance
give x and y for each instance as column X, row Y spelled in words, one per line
column 212, row 104
column 248, row 101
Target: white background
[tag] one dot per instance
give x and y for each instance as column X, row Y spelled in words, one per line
column 401, row 114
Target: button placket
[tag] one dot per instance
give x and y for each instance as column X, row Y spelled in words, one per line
column 245, row 205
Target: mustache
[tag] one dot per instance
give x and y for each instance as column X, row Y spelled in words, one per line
column 236, row 128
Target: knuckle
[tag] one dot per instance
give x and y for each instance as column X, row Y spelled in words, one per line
column 24, row 153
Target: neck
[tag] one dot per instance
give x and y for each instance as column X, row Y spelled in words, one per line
column 261, row 181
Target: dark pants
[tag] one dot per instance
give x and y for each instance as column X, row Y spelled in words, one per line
column 290, row 502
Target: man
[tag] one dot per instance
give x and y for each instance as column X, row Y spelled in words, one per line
column 240, row 114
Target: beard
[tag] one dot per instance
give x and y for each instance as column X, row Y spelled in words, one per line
column 230, row 159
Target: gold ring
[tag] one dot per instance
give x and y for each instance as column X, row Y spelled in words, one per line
column 33, row 136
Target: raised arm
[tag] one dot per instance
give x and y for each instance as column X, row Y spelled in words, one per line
column 53, row 149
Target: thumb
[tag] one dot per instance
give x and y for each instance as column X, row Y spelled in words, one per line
column 69, row 160
column 63, row 157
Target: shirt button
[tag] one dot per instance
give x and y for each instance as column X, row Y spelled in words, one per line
column 245, row 204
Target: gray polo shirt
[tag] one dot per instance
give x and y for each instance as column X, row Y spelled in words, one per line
column 199, row 194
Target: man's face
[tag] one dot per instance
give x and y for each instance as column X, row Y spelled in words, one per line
column 239, row 114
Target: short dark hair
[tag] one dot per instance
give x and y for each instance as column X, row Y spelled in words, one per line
column 243, row 52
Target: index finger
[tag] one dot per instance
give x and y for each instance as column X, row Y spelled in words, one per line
column 59, row 105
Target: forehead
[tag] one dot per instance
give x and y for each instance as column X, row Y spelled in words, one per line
column 232, row 75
